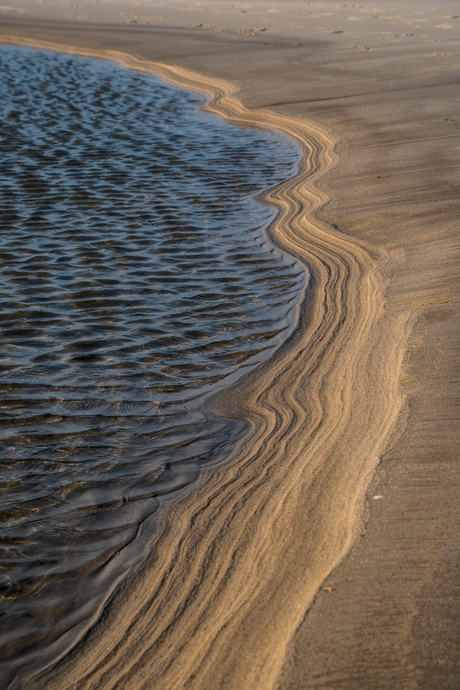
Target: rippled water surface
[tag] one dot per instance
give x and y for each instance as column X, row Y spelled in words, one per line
column 134, row 276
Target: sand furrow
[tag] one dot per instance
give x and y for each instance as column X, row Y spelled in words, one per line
column 236, row 561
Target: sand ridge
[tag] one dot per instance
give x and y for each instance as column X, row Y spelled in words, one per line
column 230, row 577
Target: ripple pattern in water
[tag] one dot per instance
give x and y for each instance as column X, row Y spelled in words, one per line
column 134, row 275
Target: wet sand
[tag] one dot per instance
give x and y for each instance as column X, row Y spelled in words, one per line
column 324, row 553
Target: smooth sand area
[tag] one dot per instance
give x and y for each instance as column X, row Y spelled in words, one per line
column 325, row 553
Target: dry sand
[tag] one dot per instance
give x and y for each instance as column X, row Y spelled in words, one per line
column 325, row 553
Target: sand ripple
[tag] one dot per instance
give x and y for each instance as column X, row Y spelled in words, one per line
column 135, row 276
column 222, row 590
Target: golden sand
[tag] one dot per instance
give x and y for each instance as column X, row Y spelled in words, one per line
column 256, row 538
column 221, row 599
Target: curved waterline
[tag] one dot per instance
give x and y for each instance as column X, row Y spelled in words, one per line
column 221, row 590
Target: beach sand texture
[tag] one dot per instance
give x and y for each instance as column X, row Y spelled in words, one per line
column 251, row 586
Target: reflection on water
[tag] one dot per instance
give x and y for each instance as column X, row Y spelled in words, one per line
column 134, row 276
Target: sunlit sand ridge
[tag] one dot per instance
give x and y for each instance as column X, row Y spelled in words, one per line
column 237, row 559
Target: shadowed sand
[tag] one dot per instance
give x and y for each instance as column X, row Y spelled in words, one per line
column 221, row 598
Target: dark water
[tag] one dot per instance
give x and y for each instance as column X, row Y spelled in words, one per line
column 134, row 277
